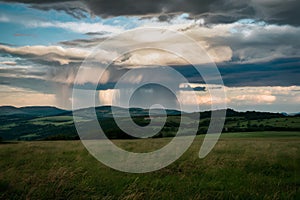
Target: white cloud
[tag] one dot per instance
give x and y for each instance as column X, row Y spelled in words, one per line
column 246, row 41
column 10, row 63
column 250, row 42
column 109, row 97
column 21, row 97
column 250, row 99
column 49, row 53
column 79, row 27
column 57, row 53
column 4, row 18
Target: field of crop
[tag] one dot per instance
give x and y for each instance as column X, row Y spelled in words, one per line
column 262, row 165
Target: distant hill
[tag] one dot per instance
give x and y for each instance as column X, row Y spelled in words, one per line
column 37, row 111
column 106, row 112
column 50, row 123
column 10, row 110
column 294, row 114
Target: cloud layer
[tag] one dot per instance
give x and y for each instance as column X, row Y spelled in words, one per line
column 241, row 98
column 214, row 11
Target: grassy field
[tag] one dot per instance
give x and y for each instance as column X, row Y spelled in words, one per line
column 262, row 165
column 293, row 122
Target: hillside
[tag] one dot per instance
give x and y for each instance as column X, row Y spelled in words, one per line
column 49, row 123
column 36, row 111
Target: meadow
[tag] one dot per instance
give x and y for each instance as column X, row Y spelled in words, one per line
column 248, row 165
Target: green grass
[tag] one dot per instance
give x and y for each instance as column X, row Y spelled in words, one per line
column 8, row 126
column 241, row 166
column 291, row 122
column 265, row 134
column 56, row 120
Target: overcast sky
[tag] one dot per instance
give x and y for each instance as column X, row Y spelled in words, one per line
column 255, row 45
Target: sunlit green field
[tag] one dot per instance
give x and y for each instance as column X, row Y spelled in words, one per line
column 260, row 165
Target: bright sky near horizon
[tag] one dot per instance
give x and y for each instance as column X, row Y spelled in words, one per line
column 255, row 46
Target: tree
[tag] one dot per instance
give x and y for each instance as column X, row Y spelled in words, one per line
column 249, row 123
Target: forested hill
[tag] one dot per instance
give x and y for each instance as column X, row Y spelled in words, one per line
column 50, row 123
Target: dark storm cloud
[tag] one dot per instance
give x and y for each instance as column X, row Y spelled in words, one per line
column 214, row 11
column 34, row 84
column 281, row 72
column 21, row 72
column 83, row 42
column 98, row 33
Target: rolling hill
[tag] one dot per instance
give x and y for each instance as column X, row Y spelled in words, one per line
column 37, row 111
column 50, row 123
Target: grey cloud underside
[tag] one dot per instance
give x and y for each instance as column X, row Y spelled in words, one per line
column 83, row 42
column 282, row 72
column 48, row 59
column 276, row 73
column 271, row 74
column 214, row 11
column 34, row 84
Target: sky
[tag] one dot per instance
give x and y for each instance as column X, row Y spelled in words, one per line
column 254, row 45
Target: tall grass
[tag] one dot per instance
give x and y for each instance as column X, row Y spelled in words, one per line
column 237, row 168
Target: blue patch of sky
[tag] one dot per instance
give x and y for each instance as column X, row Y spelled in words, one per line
column 123, row 21
column 17, row 35
column 30, row 13
column 184, row 16
column 16, row 31
column 251, row 21
column 247, row 22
